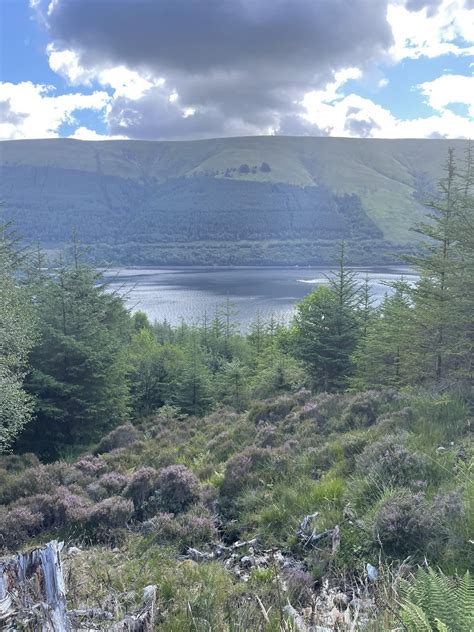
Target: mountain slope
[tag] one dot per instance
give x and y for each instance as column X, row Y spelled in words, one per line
column 139, row 201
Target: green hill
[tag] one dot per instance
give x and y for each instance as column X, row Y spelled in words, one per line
column 235, row 200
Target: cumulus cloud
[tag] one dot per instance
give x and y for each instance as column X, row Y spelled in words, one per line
column 431, row 6
column 241, row 66
column 29, row 110
column 173, row 69
column 356, row 116
column 84, row 133
column 431, row 28
column 448, row 90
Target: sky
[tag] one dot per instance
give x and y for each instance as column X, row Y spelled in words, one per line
column 190, row 69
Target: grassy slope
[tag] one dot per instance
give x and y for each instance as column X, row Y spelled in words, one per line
column 266, row 469
column 382, row 172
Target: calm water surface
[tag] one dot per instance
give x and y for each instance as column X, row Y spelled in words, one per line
column 187, row 293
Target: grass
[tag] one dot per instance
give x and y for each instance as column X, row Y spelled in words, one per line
column 310, row 467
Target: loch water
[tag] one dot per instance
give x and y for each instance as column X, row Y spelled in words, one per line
column 187, row 293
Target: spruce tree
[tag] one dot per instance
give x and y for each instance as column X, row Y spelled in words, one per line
column 154, row 372
column 442, row 298
column 327, row 328
column 383, row 356
column 194, row 392
column 78, row 369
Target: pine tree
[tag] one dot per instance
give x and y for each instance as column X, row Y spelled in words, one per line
column 194, row 393
column 327, row 328
column 443, row 297
column 463, row 282
column 383, row 356
column 78, row 369
column 154, row 372
column 233, row 388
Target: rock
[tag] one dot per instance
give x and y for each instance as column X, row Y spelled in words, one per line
column 247, row 561
column 149, row 594
column 372, row 572
column 73, row 551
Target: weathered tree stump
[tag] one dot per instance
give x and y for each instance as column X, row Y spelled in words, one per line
column 32, row 593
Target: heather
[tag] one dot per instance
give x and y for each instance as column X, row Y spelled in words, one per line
column 394, row 498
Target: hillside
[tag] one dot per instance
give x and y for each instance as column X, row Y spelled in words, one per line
column 235, row 510
column 236, row 200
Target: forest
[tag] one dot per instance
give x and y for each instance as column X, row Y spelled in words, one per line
column 314, row 476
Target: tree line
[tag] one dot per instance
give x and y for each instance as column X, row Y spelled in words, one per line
column 74, row 362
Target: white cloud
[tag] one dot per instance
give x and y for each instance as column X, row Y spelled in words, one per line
column 124, row 82
column 421, row 33
column 449, row 89
column 140, row 95
column 356, row 116
column 84, row 133
column 34, row 111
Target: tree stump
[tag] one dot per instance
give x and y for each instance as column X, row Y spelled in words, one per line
column 32, row 593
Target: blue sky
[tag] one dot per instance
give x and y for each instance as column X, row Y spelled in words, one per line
column 174, row 69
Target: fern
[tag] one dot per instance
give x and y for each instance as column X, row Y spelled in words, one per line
column 435, row 602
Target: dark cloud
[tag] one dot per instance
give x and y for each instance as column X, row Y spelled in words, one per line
column 8, row 116
column 240, row 63
column 432, row 6
column 294, row 125
column 361, row 128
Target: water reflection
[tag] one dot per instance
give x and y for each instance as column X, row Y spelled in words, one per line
column 175, row 294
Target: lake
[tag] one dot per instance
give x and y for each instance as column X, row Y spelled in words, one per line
column 187, row 293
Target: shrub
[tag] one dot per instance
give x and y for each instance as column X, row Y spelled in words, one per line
column 178, row 488
column 197, row 528
column 91, row 466
column 447, row 507
column 268, row 437
column 113, row 482
column 395, row 421
column 327, row 406
column 390, row 463
column 58, row 509
column 141, row 486
column 271, row 410
column 96, row 491
column 121, row 437
column 185, row 530
column 299, row 586
column 17, row 525
column 163, row 526
column 34, row 480
column 100, row 520
column 404, row 525
column 241, row 469
column 16, row 463
column 361, row 411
